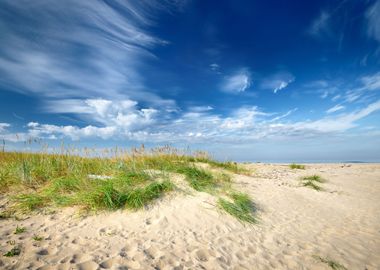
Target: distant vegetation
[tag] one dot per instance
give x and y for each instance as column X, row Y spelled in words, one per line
column 297, row 166
column 313, row 182
column 118, row 180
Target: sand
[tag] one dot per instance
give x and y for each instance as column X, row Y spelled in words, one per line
column 296, row 224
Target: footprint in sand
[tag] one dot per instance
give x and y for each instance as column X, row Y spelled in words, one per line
column 202, row 255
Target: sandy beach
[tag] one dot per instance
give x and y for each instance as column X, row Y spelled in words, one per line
column 297, row 228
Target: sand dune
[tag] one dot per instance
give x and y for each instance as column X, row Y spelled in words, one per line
column 187, row 231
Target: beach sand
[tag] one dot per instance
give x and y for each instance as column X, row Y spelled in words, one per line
column 296, row 225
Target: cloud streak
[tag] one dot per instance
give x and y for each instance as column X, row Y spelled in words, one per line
column 321, row 25
column 277, row 81
column 237, row 82
column 335, row 109
column 373, row 21
column 77, row 49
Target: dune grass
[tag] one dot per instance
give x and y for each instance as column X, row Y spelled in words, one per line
column 19, row 230
column 37, row 238
column 241, row 207
column 118, row 180
column 331, row 263
column 297, row 166
column 313, row 182
column 15, row 251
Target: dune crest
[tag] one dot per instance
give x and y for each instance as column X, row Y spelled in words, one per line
column 296, row 226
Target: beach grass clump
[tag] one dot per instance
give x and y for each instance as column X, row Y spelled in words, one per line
column 199, row 179
column 312, row 182
column 30, row 202
column 15, row 251
column 19, row 230
column 297, row 166
column 37, row 238
column 331, row 263
column 139, row 197
column 314, row 177
column 241, row 207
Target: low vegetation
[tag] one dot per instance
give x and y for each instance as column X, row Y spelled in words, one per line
column 15, row 251
column 20, row 230
column 313, row 182
column 297, row 166
column 115, row 180
column 37, row 237
column 333, row 264
column 240, row 207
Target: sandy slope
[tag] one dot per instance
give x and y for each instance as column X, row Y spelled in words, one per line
column 188, row 232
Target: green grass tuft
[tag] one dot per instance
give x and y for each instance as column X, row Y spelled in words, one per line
column 13, row 252
column 30, row 201
column 314, row 177
column 37, row 238
column 333, row 264
column 242, row 207
column 312, row 185
column 312, row 182
column 199, row 179
column 19, row 230
column 297, row 166
column 141, row 196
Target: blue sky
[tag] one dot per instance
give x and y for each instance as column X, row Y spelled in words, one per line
column 245, row 80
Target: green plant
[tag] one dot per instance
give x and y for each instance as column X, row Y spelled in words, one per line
column 312, row 185
column 314, row 177
column 198, row 179
column 297, row 166
column 37, row 238
column 20, row 230
column 333, row 264
column 13, row 252
column 311, row 182
column 137, row 198
column 30, row 201
column 242, row 207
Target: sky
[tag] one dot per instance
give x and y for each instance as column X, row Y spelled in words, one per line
column 246, row 80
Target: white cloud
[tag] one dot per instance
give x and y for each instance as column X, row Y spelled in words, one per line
column 321, row 25
column 200, row 108
column 335, row 109
column 277, row 81
column 340, row 123
column 73, row 132
column 214, row 67
column 78, row 49
column 367, row 84
column 373, row 20
column 237, row 82
column 245, row 124
column 4, row 126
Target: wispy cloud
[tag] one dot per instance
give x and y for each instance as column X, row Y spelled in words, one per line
column 214, row 67
column 200, row 108
column 77, row 49
column 237, row 82
column 323, row 88
column 278, row 81
column 373, row 21
column 321, row 25
column 335, row 108
column 4, row 126
column 367, row 85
